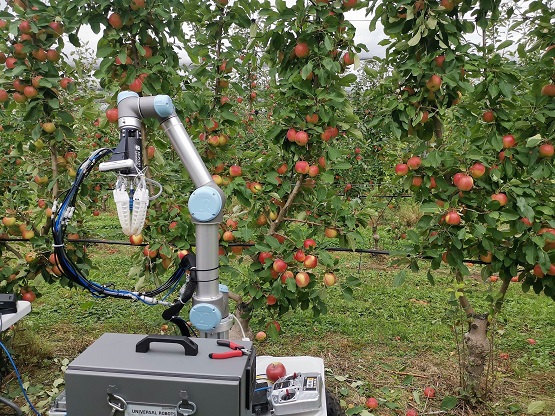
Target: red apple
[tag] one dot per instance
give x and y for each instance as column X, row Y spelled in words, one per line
column 414, row 162
column 301, row 138
column 4, row 96
column 501, row 198
column 149, row 253
column 291, row 134
column 348, row 58
column 263, row 256
column 439, row 60
column 115, row 21
column 228, row 236
column 260, row 336
column 271, row 300
column 310, row 261
column 477, row 170
column 330, row 279
column 235, row 171
column 11, row 62
column 112, row 115
column 299, row 254
column 411, row 412
column 52, row 55
column 434, row 83
column 301, row 50
column 136, row 85
column 548, row 90
column 429, row 392
column 313, row 171
column 136, row 239
column 302, row 279
column 279, row 265
column 452, row 218
column 546, row 150
column 508, row 141
column 401, row 169
column 526, row 221
column 275, row 371
column 309, row 242
column 488, row 116
column 371, row 403
column 302, row 167
column 464, row 182
column 330, row 232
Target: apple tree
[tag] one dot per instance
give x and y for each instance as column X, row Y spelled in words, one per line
column 38, row 101
column 479, row 162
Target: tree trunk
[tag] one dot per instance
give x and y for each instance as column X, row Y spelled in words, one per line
column 243, row 315
column 478, row 347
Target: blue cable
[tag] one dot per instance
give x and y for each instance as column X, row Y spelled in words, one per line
column 19, row 379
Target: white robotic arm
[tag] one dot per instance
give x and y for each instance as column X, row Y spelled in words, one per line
column 210, row 311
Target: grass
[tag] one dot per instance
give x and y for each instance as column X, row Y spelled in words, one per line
column 388, row 342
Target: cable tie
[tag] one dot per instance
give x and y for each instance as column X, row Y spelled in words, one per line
column 58, row 245
column 205, row 270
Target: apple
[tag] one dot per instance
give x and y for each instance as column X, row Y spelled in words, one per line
column 309, row 242
column 136, row 239
column 279, row 265
column 112, row 115
column 412, row 412
column 439, row 60
column 235, row 171
column 313, row 171
column 291, row 134
column 182, row 253
column 548, row 90
column 52, row 55
column 263, row 256
column 477, row 170
column 228, row 236
column 29, row 296
column 275, row 371
column 348, row 58
column 56, row 27
column 30, row 91
column 136, row 85
column 463, row 182
column 486, row 258
column 508, row 141
column 546, row 150
column 526, row 221
column 302, row 279
column 401, row 169
column 429, row 392
column 8, row 221
column 488, row 116
column 501, row 198
column 312, row 118
column 330, row 232
column 137, row 4
column 30, row 257
column 282, row 169
column 301, row 138
column 301, row 50
column 310, row 261
column 330, row 279
column 550, row 240
column 452, row 218
column 371, row 403
column 271, row 300
column 434, row 83
column 538, row 272
column 115, row 21
column 414, row 162
column 4, row 96
column 11, row 62
column 19, row 98
column 302, row 167
column 493, row 278
column 260, row 336
column 149, row 253
column 28, row 234
column 531, row 341
column 299, row 254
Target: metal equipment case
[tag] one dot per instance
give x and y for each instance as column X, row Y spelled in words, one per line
column 160, row 381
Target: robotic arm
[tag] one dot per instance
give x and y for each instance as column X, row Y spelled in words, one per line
column 210, row 311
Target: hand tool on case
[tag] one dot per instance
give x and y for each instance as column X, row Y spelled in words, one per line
column 237, row 350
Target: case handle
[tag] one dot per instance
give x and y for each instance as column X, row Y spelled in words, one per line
column 191, row 348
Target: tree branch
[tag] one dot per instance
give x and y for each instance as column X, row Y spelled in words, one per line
column 463, row 300
column 274, row 225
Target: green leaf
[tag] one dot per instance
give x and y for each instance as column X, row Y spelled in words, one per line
column 415, row 39
column 400, row 278
column 534, row 141
column 449, row 403
column 536, row 407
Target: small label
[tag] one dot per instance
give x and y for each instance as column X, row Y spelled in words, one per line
column 146, row 410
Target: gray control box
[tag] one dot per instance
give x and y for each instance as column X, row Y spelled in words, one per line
column 161, row 381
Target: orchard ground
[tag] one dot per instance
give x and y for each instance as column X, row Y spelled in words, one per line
column 387, row 342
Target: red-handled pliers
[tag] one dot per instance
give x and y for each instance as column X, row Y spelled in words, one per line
column 237, row 350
